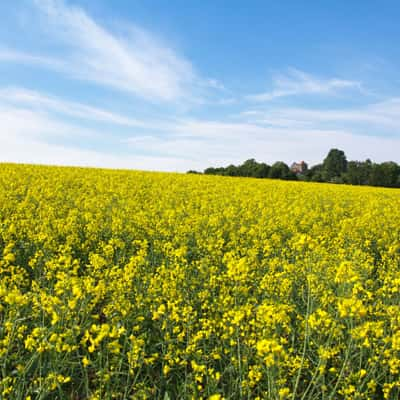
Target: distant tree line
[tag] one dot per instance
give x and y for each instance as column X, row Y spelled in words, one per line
column 334, row 169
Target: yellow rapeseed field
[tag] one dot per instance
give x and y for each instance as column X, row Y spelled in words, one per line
column 135, row 285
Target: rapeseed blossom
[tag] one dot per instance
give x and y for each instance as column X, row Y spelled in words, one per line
column 138, row 285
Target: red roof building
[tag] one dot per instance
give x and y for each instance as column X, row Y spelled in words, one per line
column 299, row 168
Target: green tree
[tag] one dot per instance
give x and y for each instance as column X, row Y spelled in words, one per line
column 232, row 170
column 254, row 169
column 248, row 168
column 314, row 174
column 280, row 170
column 213, row 171
column 334, row 165
column 262, row 170
column 385, row 174
column 358, row 172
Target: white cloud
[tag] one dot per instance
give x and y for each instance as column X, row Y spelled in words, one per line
column 8, row 55
column 297, row 82
column 219, row 143
column 137, row 63
column 16, row 149
column 379, row 117
column 20, row 122
column 39, row 101
column 28, row 137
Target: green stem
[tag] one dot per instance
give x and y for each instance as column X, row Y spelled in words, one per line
column 305, row 340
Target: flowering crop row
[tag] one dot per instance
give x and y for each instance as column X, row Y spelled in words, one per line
column 131, row 285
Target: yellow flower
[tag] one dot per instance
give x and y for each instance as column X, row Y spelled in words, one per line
column 215, row 397
column 233, row 287
column 85, row 361
column 284, row 393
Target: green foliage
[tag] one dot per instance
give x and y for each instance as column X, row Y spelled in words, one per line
column 385, row 174
column 358, row 172
column 314, row 174
column 280, row 170
column 250, row 168
column 334, row 169
column 334, row 165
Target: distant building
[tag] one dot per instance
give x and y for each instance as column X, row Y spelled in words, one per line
column 299, row 168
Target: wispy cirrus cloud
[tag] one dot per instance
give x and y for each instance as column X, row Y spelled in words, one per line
column 379, row 117
column 296, row 82
column 40, row 128
column 42, row 102
column 221, row 143
column 23, row 124
column 136, row 62
column 9, row 55
column 28, row 133
column 37, row 151
column 35, row 136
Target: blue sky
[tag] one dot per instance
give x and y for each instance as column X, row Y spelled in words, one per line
column 181, row 85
